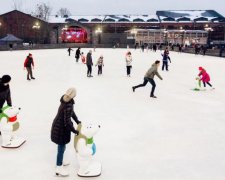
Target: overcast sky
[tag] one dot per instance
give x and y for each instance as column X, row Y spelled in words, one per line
column 95, row 7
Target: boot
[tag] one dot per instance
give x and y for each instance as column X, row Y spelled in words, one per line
column 152, row 96
column 28, row 79
column 66, row 163
column 133, row 88
column 60, row 171
column 32, row 78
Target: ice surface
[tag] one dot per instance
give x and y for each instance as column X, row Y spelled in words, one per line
column 179, row 136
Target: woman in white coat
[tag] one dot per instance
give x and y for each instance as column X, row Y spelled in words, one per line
column 128, row 63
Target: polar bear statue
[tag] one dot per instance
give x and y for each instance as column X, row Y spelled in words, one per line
column 8, row 125
column 85, row 148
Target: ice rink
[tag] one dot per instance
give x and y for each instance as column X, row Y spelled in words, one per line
column 178, row 136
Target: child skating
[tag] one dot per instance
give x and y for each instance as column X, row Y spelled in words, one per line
column 128, row 63
column 205, row 78
column 100, row 63
column 83, row 59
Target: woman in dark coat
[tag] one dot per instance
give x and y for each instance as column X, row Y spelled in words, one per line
column 77, row 55
column 5, row 95
column 62, row 127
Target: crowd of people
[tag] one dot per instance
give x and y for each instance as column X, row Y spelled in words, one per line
column 62, row 126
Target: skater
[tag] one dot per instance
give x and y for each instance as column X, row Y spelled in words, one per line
column 83, row 58
column 128, row 63
column 149, row 77
column 89, row 63
column 205, row 78
column 29, row 62
column 77, row 55
column 10, row 47
column 143, row 47
column 5, row 95
column 180, row 48
column 154, row 47
column 62, row 127
column 204, row 49
column 100, row 64
column 166, row 58
column 69, row 50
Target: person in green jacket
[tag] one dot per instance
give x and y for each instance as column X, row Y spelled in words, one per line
column 149, row 77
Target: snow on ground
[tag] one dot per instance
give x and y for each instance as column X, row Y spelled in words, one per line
column 179, row 136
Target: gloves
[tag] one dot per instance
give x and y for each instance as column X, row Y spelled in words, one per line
column 16, row 126
column 78, row 122
column 76, row 132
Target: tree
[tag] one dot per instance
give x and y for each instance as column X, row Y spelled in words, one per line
column 43, row 11
column 17, row 5
column 63, row 11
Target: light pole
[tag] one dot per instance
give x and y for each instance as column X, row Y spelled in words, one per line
column 165, row 36
column 0, row 28
column 182, row 35
column 209, row 30
column 99, row 32
column 36, row 27
column 134, row 32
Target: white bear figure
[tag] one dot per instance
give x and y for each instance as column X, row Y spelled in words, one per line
column 8, row 125
column 85, row 148
column 198, row 85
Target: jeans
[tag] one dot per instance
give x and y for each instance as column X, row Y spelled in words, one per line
column 89, row 70
column 204, row 83
column 165, row 64
column 29, row 72
column 61, row 150
column 128, row 69
column 99, row 70
column 146, row 80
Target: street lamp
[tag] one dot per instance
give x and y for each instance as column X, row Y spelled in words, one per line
column 134, row 33
column 209, row 30
column 99, row 32
column 0, row 27
column 36, row 27
column 165, row 35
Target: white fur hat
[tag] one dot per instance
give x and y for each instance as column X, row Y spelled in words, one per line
column 70, row 94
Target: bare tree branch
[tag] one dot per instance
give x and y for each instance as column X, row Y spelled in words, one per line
column 17, row 5
column 43, row 11
column 63, row 11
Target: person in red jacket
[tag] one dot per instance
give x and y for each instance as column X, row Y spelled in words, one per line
column 29, row 62
column 205, row 78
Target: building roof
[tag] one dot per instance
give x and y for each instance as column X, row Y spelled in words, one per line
column 107, row 18
column 188, row 15
column 10, row 38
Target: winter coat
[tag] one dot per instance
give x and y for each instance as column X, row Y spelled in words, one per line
column 62, row 125
column 100, row 62
column 204, row 76
column 152, row 72
column 128, row 60
column 5, row 95
column 89, row 60
column 77, row 55
column 28, row 62
column 83, row 59
column 166, row 57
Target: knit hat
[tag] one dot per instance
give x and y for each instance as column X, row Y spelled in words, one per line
column 70, row 94
column 200, row 68
column 6, row 79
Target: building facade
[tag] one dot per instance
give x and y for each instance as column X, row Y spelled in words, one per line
column 180, row 26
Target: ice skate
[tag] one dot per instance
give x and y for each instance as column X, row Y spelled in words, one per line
column 60, row 171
